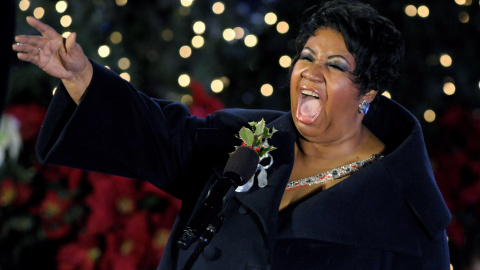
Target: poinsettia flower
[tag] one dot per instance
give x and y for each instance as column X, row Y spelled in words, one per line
column 52, row 211
column 82, row 254
column 8, row 192
column 203, row 104
column 111, row 198
column 31, row 117
column 127, row 246
column 55, row 174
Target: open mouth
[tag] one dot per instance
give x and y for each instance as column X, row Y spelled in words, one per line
column 309, row 106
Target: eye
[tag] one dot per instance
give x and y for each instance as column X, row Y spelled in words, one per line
column 337, row 67
column 307, row 57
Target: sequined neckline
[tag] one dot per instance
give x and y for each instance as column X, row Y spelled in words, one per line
column 331, row 175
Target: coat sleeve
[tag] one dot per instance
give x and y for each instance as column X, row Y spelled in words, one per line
column 118, row 130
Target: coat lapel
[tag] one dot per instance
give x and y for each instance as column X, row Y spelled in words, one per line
column 265, row 202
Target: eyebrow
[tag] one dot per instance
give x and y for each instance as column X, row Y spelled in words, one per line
column 330, row 56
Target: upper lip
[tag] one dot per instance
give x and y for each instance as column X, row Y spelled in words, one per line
column 309, row 91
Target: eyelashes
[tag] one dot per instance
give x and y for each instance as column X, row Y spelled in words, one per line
column 333, row 64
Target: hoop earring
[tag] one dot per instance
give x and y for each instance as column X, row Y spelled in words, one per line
column 363, row 107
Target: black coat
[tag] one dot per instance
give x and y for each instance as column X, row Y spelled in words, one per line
column 389, row 215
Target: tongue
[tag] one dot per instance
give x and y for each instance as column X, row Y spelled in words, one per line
column 309, row 108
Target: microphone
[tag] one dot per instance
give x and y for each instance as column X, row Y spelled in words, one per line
column 240, row 167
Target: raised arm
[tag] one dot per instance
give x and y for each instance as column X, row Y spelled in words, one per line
column 59, row 57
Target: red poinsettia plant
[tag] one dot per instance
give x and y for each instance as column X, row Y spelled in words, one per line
column 64, row 218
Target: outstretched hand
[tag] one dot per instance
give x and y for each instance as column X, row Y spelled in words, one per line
column 59, row 57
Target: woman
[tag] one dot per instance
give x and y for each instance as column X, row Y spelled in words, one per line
column 312, row 213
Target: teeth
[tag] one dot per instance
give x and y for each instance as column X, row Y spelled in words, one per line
column 309, row 93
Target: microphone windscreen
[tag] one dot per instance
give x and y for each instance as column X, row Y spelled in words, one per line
column 244, row 162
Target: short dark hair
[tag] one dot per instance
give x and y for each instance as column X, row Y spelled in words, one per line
column 372, row 39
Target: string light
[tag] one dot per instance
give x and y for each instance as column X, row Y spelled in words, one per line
column 445, row 60
column 167, row 35
column 251, row 40
column 218, row 8
column 38, row 12
column 199, row 27
column 66, row 34
column 387, row 94
column 229, row 34
column 282, row 27
column 184, row 11
column 225, row 80
column 116, row 37
column 66, row 21
column 104, row 51
column 239, row 32
column 124, row 63
column 429, row 116
column 270, row 18
column 125, row 76
column 463, row 17
column 285, row 61
column 186, row 3
column 198, row 41
column 411, row 10
column 185, row 51
column 217, row 86
column 61, row 6
column 449, row 88
column 121, row 3
column 24, row 5
column 460, row 2
column 184, row 80
column 187, row 100
column 266, row 90
column 423, row 11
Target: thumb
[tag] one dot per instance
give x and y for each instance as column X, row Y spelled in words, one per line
column 70, row 42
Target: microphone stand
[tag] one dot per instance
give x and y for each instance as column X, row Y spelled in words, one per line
column 204, row 240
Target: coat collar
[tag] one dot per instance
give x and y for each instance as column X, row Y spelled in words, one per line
column 375, row 206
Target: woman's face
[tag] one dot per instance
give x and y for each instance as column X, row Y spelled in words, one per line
column 324, row 100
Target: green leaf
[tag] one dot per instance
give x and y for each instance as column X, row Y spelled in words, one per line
column 260, row 127
column 247, row 136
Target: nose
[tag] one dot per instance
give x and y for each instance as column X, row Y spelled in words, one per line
column 313, row 73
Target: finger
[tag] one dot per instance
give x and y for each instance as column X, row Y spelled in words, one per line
column 28, row 57
column 31, row 40
column 45, row 29
column 25, row 48
column 70, row 42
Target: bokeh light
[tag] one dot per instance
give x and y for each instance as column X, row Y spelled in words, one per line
column 423, row 11
column 463, row 17
column 285, row 61
column 187, row 100
column 229, row 34
column 198, row 42
column 411, row 10
column 125, row 76
column 104, row 51
column 66, row 20
column 429, row 116
column 116, row 37
column 185, row 51
column 184, row 80
column 266, row 90
column 217, row 86
column 121, row 3
column 449, row 88
column 270, row 18
column 251, row 40
column 445, row 60
column 218, row 8
column 199, row 27
column 387, row 94
column 61, row 6
column 282, row 27
column 24, row 5
column 124, row 63
column 186, row 3
column 39, row 12
column 239, row 32
column 167, row 35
